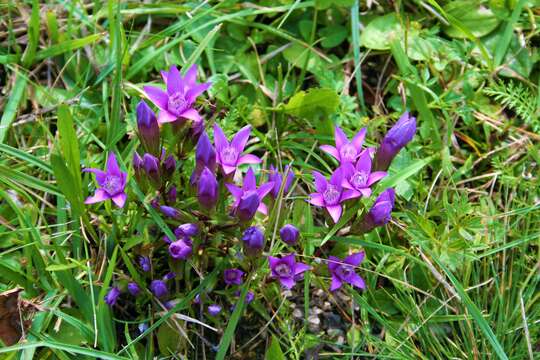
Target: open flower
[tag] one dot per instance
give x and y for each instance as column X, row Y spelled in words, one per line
column 330, row 194
column 181, row 249
column 229, row 155
column 345, row 150
column 233, row 276
column 359, row 178
column 112, row 183
column 214, row 309
column 287, row 270
column 343, row 271
column 177, row 102
column 277, row 179
column 395, row 139
column 248, row 199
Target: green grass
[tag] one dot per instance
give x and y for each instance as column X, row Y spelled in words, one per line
column 453, row 276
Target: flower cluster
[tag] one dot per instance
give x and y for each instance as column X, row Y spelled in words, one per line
column 230, row 193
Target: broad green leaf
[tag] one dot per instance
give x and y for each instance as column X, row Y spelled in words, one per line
column 274, row 350
column 325, row 4
column 297, row 55
column 478, row 19
column 333, row 35
column 314, row 102
column 380, row 32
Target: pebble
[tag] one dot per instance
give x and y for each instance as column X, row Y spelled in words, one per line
column 297, row 313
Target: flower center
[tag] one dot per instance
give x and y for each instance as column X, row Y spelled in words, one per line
column 283, row 269
column 348, row 152
column 345, row 271
column 331, row 195
column 359, row 179
column 229, row 155
column 112, row 184
column 177, row 103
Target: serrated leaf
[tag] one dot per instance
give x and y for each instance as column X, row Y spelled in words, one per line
column 314, row 102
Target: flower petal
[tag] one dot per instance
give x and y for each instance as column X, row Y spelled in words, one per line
column 355, row 259
column 340, row 137
column 194, row 91
column 166, row 117
column 358, row 139
column 320, row 182
column 273, row 262
column 316, row 199
column 350, row 194
column 262, row 209
column 335, row 212
column 364, row 162
column 220, row 139
column 164, row 75
column 250, row 182
column 175, row 83
column 240, row 139
column 234, row 190
column 157, row 96
column 287, row 282
column 119, row 199
column 336, row 283
column 289, row 260
column 100, row 175
column 366, row 192
column 299, row 268
column 376, row 176
column 264, row 189
column 248, row 159
column 191, row 114
column 329, row 149
column 357, row 281
column 191, row 76
column 99, row 195
column 227, row 169
column 333, row 263
column 337, row 177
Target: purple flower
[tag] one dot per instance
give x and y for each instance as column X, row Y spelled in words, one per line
column 112, row 183
column 275, row 177
column 144, row 263
column 112, row 296
column 253, row 240
column 229, row 155
column 137, row 166
column 381, row 211
column 169, row 165
column 395, row 139
column 189, row 230
column 169, row 276
column 133, row 288
column 248, row 199
column 343, row 271
column 207, row 189
column 289, row 234
column 287, row 270
column 151, row 167
column 171, row 194
column 158, row 288
column 359, row 178
column 330, row 194
column 214, row 309
column 148, row 128
column 169, row 211
column 345, row 150
column 181, row 249
column 205, row 156
column 177, row 102
column 233, row 276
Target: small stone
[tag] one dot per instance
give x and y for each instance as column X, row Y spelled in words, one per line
column 319, row 292
column 315, row 311
column 286, row 293
column 340, row 340
column 334, row 333
column 297, row 313
column 342, row 296
column 314, row 323
column 327, row 306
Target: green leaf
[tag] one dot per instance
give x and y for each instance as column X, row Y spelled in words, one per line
column 66, row 183
column 297, row 55
column 33, row 35
column 66, row 46
column 274, row 350
column 380, row 32
column 333, row 35
column 325, row 4
column 10, row 111
column 69, row 144
column 316, row 101
column 476, row 18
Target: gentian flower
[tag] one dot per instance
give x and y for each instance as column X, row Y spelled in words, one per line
column 112, row 183
column 171, row 194
column 169, row 211
column 253, row 240
column 289, row 234
column 345, row 150
column 380, row 212
column 229, row 155
column 330, row 194
column 169, row 165
column 395, row 139
column 359, row 178
column 186, row 230
column 214, row 309
column 151, row 167
column 177, row 102
column 144, row 263
column 233, row 276
column 148, row 128
column 159, row 288
column 112, row 296
column 287, row 270
column 205, row 156
column 181, row 249
column 207, row 189
column 169, row 276
column 248, row 199
column 133, row 288
column 275, row 177
column 343, row 271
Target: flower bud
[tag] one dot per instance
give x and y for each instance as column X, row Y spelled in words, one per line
column 207, row 189
column 253, row 240
column 181, row 249
column 159, row 288
column 205, row 155
column 397, row 137
column 144, row 263
column 289, row 234
column 169, row 165
column 169, row 211
column 171, row 195
column 112, row 296
column 188, row 230
column 151, row 167
column 148, row 128
column 134, row 289
column 381, row 211
column 248, row 205
column 214, row 309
